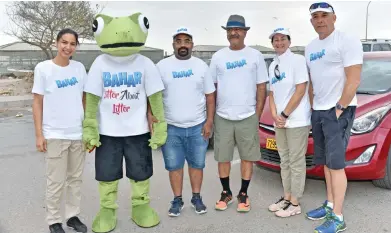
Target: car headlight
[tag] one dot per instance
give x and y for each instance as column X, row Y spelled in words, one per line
column 369, row 121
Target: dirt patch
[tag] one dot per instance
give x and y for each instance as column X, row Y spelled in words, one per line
column 16, row 86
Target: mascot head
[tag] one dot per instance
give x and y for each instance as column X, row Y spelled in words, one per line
column 120, row 36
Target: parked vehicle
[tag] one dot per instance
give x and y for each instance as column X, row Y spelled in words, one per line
column 374, row 45
column 368, row 154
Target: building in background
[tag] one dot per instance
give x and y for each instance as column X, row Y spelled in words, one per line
column 23, row 56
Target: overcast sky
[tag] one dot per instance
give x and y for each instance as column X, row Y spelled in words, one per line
column 205, row 18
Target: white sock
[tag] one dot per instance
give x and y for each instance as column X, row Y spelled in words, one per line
column 330, row 204
column 340, row 217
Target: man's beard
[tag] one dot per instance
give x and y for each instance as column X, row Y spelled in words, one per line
column 183, row 52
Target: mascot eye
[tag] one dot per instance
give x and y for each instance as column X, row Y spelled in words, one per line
column 98, row 25
column 144, row 23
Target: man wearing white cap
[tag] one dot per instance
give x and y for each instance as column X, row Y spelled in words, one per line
column 290, row 107
column 189, row 106
column 334, row 60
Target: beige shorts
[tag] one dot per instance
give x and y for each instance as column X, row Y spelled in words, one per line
column 243, row 134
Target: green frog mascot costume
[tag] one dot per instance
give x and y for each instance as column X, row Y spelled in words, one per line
column 121, row 87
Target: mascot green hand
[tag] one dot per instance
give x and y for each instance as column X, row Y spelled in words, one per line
column 119, row 38
column 159, row 135
column 90, row 123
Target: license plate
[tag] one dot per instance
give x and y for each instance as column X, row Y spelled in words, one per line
column 271, row 144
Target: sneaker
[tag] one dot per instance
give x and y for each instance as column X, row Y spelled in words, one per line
column 75, row 224
column 331, row 225
column 288, row 210
column 198, row 205
column 319, row 213
column 243, row 203
column 56, row 228
column 225, row 200
column 278, row 205
column 176, row 207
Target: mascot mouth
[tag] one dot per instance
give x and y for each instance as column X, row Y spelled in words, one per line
column 124, row 44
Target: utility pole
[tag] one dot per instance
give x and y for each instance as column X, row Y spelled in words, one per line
column 366, row 25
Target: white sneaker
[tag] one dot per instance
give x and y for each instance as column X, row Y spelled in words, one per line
column 278, row 205
column 288, row 210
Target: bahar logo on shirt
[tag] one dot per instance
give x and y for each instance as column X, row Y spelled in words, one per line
column 121, row 79
column 317, row 55
column 236, row 64
column 182, row 74
column 276, row 80
column 124, row 81
column 66, row 82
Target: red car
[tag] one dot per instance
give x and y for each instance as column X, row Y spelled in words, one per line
column 368, row 154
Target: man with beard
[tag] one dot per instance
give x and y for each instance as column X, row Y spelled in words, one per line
column 240, row 75
column 189, row 105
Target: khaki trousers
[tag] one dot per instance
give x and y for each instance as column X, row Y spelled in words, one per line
column 64, row 169
column 292, row 146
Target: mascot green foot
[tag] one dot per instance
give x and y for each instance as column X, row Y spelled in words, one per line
column 106, row 219
column 142, row 213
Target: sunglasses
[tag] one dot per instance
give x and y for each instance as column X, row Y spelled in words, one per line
column 277, row 73
column 321, row 5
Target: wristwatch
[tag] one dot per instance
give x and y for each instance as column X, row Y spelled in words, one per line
column 340, row 107
column 284, row 115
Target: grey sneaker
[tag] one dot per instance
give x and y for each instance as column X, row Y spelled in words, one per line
column 288, row 210
column 278, row 205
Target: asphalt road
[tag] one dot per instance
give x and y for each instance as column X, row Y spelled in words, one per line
column 23, row 188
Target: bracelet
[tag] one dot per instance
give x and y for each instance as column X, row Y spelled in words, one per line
column 284, row 115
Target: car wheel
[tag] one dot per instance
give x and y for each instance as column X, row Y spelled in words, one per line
column 386, row 181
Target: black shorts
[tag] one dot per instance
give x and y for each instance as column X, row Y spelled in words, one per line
column 331, row 136
column 109, row 158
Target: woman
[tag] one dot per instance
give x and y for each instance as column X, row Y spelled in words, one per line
column 291, row 111
column 58, row 114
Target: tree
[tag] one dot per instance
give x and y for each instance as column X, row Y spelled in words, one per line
column 37, row 23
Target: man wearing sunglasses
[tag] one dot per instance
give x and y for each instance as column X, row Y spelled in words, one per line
column 291, row 111
column 334, row 60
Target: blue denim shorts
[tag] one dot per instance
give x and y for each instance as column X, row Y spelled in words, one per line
column 185, row 144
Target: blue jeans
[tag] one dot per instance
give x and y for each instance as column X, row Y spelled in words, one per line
column 185, row 144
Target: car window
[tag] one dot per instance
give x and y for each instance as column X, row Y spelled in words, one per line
column 381, row 47
column 376, row 76
column 366, row 47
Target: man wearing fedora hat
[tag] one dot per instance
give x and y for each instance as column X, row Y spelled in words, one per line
column 240, row 75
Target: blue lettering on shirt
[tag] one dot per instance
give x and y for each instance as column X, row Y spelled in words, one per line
column 182, row 74
column 275, row 80
column 317, row 55
column 66, row 82
column 236, row 64
column 121, row 79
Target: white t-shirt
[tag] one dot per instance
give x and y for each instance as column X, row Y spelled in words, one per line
column 62, row 90
column 293, row 71
column 124, row 84
column 237, row 74
column 326, row 60
column 185, row 84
